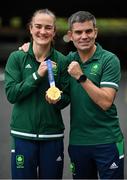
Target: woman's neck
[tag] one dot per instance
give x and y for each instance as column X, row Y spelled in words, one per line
column 41, row 52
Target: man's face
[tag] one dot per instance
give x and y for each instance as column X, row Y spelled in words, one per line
column 83, row 35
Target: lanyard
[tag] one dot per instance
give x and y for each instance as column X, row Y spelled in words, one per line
column 50, row 73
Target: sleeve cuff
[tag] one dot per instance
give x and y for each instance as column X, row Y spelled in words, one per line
column 36, row 76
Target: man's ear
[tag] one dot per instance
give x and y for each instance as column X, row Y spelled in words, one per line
column 69, row 34
column 96, row 32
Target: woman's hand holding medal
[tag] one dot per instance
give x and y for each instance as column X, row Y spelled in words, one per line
column 53, row 94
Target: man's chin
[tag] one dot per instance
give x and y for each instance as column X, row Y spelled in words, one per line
column 84, row 48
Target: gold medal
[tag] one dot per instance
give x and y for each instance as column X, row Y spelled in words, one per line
column 53, row 93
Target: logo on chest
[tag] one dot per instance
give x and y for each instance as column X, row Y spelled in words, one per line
column 94, row 69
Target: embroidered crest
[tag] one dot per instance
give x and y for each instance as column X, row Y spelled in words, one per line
column 94, row 69
column 20, row 161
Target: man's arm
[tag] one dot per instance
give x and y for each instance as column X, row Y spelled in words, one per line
column 103, row 96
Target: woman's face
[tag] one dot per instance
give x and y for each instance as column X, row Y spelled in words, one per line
column 42, row 29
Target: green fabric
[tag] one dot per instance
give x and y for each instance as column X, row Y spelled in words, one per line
column 31, row 113
column 91, row 125
column 120, row 147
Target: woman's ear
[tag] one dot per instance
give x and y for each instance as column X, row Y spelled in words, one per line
column 30, row 29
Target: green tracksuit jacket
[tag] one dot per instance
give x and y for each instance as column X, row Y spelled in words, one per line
column 32, row 116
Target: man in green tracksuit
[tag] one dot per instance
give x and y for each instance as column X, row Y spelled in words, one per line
column 96, row 141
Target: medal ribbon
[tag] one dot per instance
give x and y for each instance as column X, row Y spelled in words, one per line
column 50, row 73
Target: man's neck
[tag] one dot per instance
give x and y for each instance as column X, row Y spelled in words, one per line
column 86, row 55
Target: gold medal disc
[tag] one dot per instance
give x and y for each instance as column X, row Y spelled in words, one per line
column 53, row 93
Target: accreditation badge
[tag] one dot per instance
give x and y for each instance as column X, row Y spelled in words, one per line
column 53, row 92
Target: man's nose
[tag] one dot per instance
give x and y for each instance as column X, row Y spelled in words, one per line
column 84, row 34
